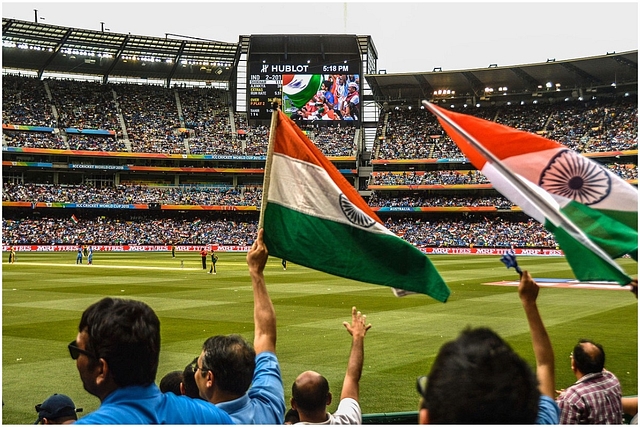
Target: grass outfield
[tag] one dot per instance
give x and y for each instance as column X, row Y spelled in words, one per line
column 44, row 295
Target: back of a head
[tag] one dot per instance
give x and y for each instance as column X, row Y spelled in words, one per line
column 171, row 383
column 588, row 357
column 310, row 391
column 189, row 380
column 479, row 379
column 126, row 333
column 232, row 360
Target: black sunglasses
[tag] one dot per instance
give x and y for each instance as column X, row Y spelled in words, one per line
column 76, row 351
column 421, row 385
column 196, row 367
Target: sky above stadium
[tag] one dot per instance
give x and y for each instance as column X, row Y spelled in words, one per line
column 409, row 36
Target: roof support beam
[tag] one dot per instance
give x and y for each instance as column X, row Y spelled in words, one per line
column 425, row 87
column 55, row 53
column 590, row 77
column 116, row 58
column 477, row 87
column 176, row 61
column 526, row 77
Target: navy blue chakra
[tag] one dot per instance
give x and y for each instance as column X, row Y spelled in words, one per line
column 575, row 177
column 354, row 214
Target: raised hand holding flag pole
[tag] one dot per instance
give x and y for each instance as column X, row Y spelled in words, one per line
column 314, row 217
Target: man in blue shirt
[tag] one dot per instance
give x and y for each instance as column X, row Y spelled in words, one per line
column 116, row 353
column 249, row 388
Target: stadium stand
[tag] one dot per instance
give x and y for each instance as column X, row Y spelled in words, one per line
column 88, row 158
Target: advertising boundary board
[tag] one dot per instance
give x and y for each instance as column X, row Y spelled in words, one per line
column 233, row 248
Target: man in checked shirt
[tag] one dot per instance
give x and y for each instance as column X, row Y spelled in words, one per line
column 596, row 398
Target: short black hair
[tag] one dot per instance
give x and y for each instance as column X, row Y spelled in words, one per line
column 588, row 362
column 232, row 360
column 126, row 333
column 171, row 382
column 189, row 380
column 478, row 379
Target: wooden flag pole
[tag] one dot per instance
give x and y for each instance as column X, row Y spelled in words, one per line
column 267, row 165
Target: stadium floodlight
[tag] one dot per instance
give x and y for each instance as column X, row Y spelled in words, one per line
column 493, row 65
column 437, row 69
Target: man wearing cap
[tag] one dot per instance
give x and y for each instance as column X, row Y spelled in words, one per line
column 57, row 409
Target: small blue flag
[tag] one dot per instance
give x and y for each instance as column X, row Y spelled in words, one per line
column 509, row 259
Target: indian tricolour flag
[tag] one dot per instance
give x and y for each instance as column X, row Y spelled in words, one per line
column 300, row 88
column 592, row 212
column 314, row 217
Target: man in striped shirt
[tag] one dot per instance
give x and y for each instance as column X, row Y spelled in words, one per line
column 596, row 398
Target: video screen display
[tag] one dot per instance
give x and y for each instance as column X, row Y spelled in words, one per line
column 323, row 92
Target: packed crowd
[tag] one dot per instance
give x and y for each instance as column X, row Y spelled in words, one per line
column 381, row 199
column 151, row 117
column 95, row 143
column 626, row 171
column 409, row 134
column 180, row 120
column 130, row 229
column 133, row 194
column 25, row 102
column 584, row 126
column 206, row 196
column 139, row 229
column 84, row 104
column 428, row 178
column 34, row 140
column 472, row 231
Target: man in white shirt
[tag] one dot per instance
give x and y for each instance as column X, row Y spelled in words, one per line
column 310, row 391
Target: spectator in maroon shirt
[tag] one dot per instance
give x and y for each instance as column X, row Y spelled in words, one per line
column 596, row 398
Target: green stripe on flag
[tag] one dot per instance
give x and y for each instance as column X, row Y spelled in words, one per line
column 612, row 236
column 586, row 265
column 302, row 94
column 350, row 252
column 630, row 219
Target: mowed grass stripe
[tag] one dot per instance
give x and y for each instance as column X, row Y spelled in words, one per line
column 44, row 295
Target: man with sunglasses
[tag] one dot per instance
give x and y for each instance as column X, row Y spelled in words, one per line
column 242, row 379
column 116, row 353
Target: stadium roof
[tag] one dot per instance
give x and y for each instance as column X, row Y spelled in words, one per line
column 56, row 49
column 613, row 71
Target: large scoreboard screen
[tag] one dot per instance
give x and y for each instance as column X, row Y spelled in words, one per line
column 329, row 91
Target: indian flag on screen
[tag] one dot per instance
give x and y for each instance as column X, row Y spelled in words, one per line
column 314, row 217
column 592, row 212
column 300, row 88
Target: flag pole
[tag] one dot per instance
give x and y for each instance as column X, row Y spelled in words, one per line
column 558, row 217
column 267, row 165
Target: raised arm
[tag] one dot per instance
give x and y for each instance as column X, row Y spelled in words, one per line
column 264, row 315
column 545, row 363
column 358, row 329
